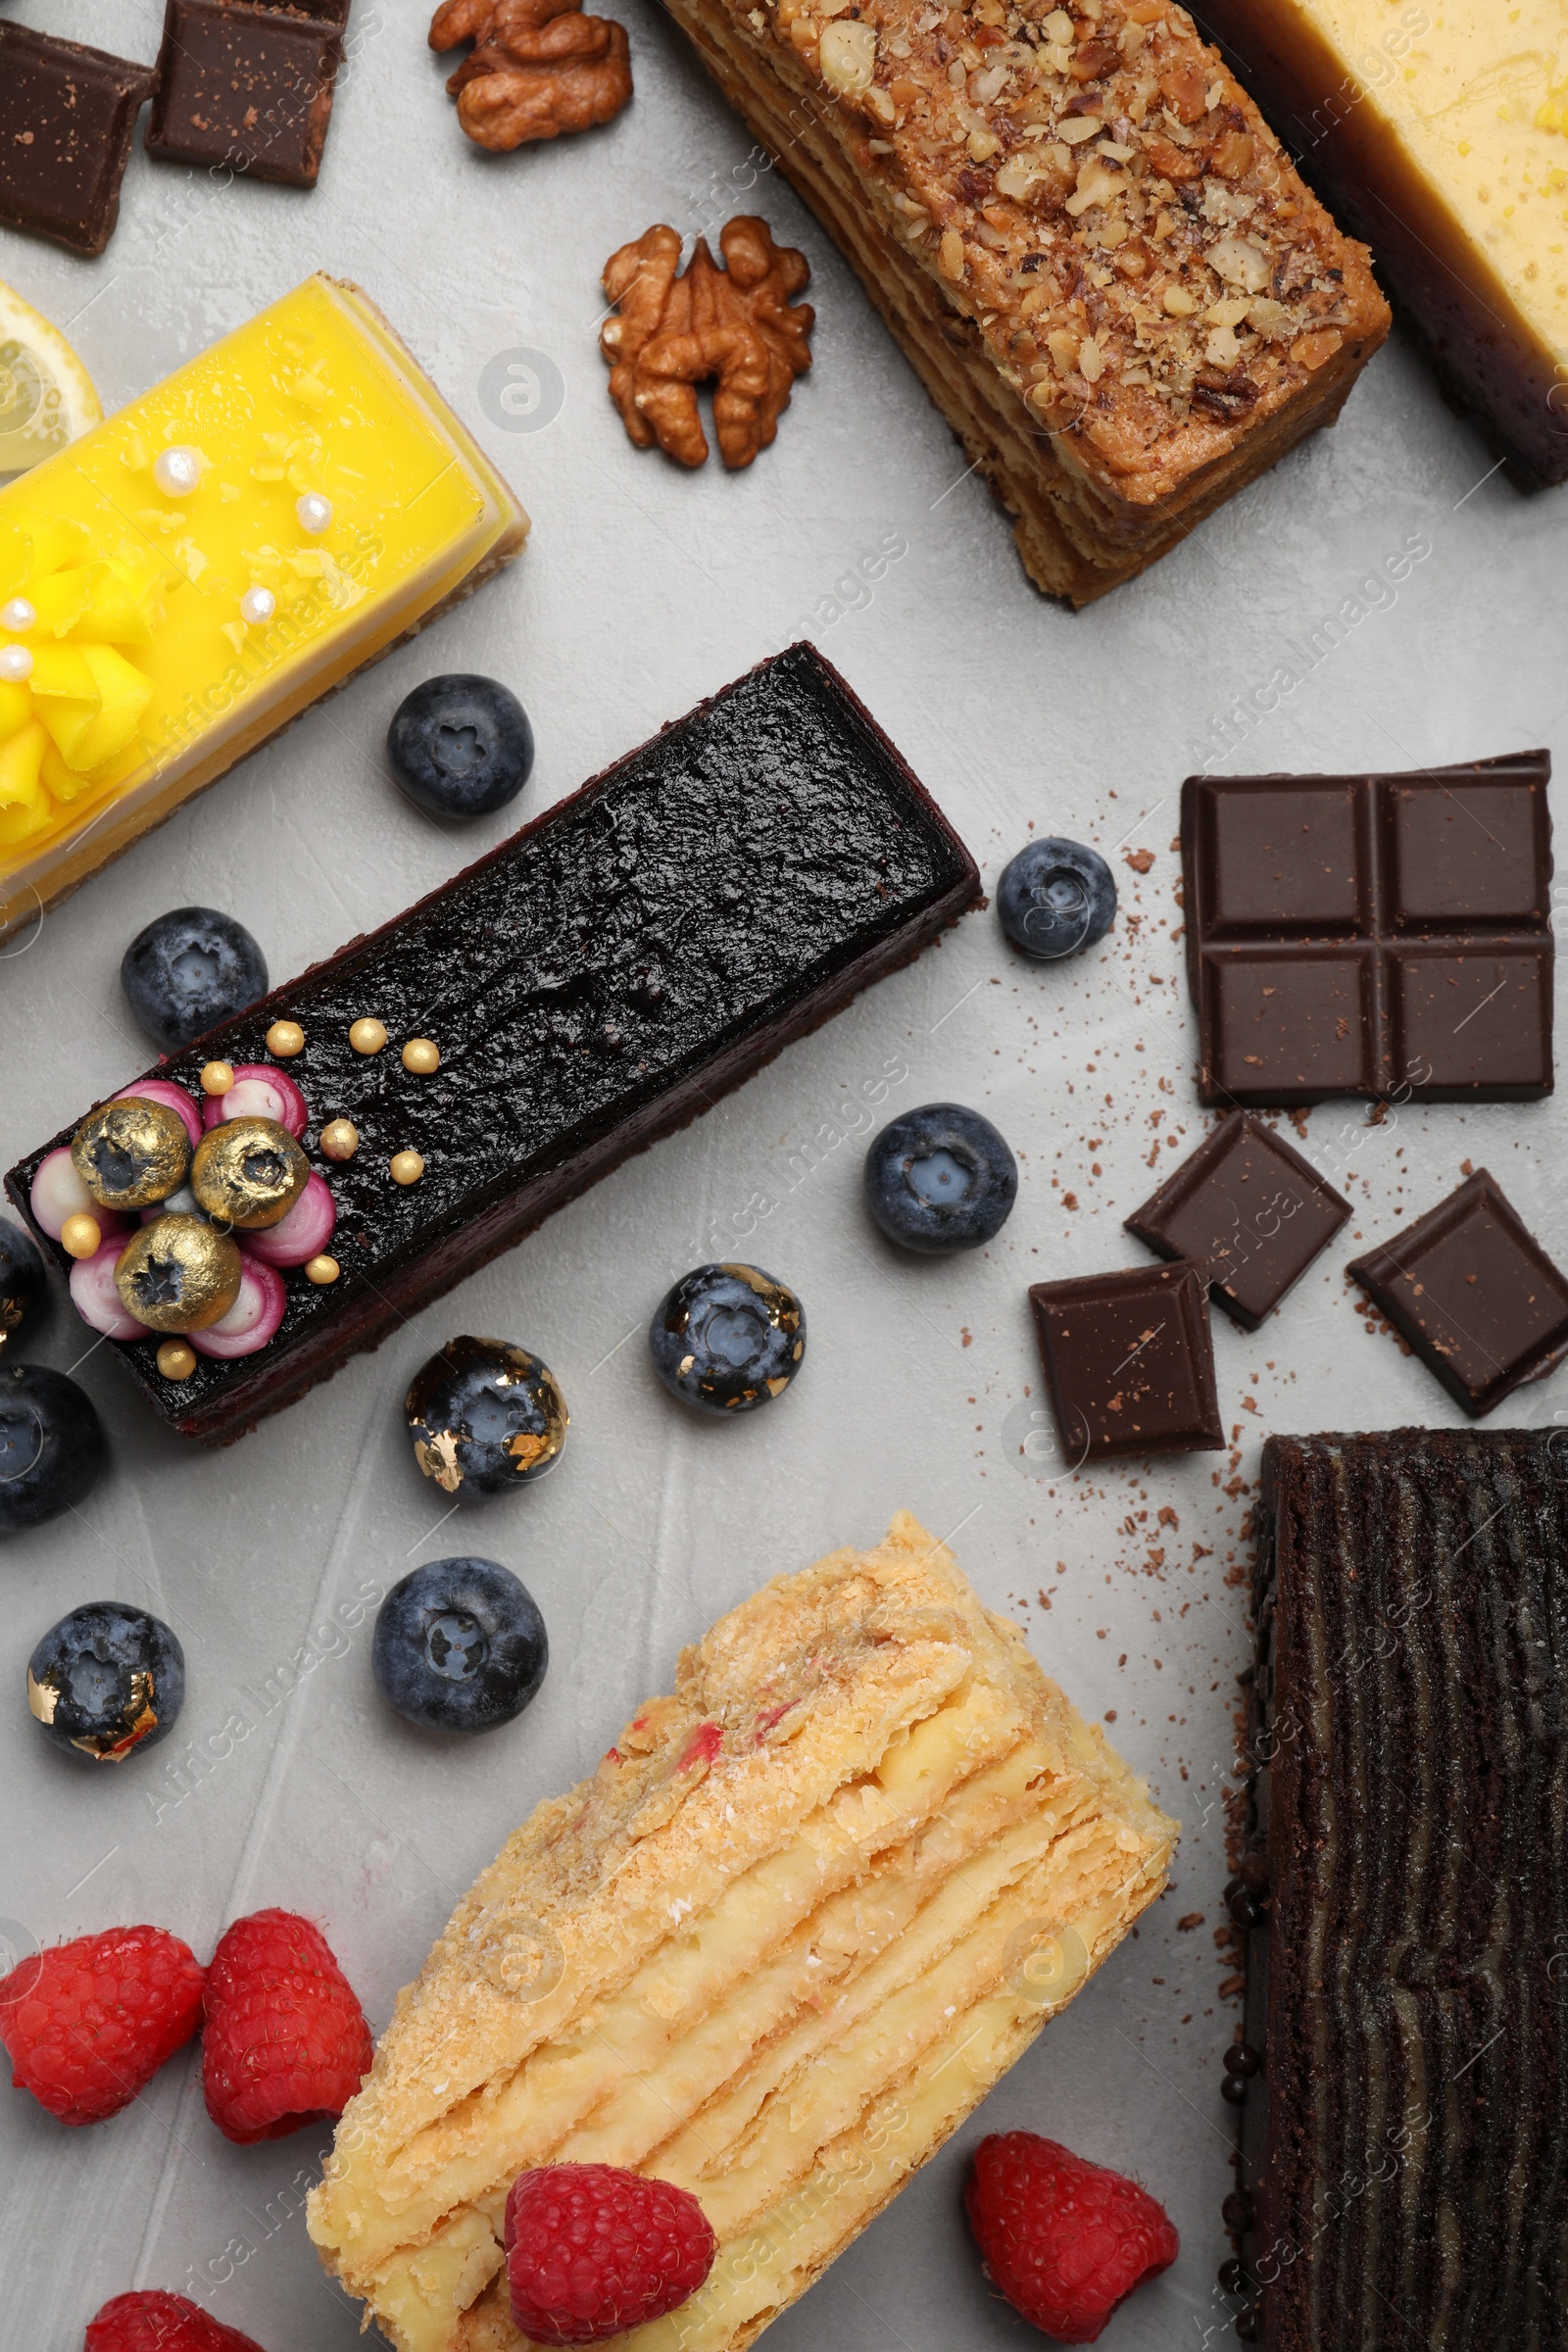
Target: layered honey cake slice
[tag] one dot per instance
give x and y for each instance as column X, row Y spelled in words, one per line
column 807, row 1912
column 1091, row 248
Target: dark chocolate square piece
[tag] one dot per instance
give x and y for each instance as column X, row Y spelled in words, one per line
column 68, row 115
column 1294, row 1025
column 1454, row 1013
column 1371, row 935
column 1250, row 1209
column 1475, row 1295
column 1129, row 1361
column 1285, row 863
column 246, row 86
column 1455, row 857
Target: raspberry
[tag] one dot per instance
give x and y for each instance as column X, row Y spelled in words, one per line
column 88, row 2024
column 158, row 2323
column 1064, row 2240
column 285, row 2042
column 592, row 2250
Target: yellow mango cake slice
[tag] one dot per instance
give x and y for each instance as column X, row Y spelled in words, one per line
column 803, row 1916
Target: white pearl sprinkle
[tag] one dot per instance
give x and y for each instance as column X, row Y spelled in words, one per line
column 258, row 605
column 19, row 617
column 314, row 513
column 179, row 471
column 16, row 665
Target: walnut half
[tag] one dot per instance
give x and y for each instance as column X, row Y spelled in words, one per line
column 674, row 331
column 540, row 68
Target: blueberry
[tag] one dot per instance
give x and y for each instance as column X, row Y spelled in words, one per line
column 941, row 1178
column 189, row 970
column 107, row 1680
column 727, row 1338
column 485, row 1418
column 460, row 746
column 1057, row 898
column 51, row 1444
column 21, row 1278
column 460, row 1646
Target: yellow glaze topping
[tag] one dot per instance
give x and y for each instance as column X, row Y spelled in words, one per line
column 145, row 678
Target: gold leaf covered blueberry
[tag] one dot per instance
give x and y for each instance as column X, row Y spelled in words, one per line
column 727, row 1338
column 249, row 1172
column 107, row 1680
column 178, row 1274
column 22, row 1276
column 132, row 1152
column 485, row 1417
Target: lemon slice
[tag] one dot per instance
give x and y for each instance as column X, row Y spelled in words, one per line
column 46, row 395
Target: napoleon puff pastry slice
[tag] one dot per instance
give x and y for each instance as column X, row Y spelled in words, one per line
column 803, row 1916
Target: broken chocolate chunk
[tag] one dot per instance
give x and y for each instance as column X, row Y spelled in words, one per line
column 68, row 115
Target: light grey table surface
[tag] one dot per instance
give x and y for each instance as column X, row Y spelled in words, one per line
column 644, row 588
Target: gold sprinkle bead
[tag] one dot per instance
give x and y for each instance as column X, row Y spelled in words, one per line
column 407, row 1168
column 368, row 1036
column 218, row 1077
column 285, row 1039
column 176, row 1361
column 340, row 1139
column 323, row 1270
column 81, row 1236
column 422, row 1055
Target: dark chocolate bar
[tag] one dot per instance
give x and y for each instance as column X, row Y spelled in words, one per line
column 593, row 984
column 1403, row 1895
column 1371, row 935
column 1474, row 1292
column 247, row 86
column 1129, row 1361
column 1250, row 1209
column 68, row 115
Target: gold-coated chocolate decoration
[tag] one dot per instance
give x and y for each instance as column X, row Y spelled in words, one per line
column 340, row 1139
column 178, row 1274
column 218, row 1077
column 285, row 1039
column 248, row 1172
column 422, row 1055
column 176, row 1360
column 368, row 1036
column 81, row 1236
column 407, row 1168
column 132, row 1152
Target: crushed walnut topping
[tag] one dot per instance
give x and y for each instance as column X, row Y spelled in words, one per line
column 1091, row 186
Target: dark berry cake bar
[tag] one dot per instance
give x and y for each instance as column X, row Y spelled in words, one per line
column 591, row 984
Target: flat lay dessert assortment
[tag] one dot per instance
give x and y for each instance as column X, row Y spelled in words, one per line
column 752, row 1955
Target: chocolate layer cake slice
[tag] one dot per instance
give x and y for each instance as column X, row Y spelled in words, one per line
column 1086, row 239
column 592, row 984
column 1405, row 2147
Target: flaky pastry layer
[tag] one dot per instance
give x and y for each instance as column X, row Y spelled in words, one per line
column 806, row 1913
